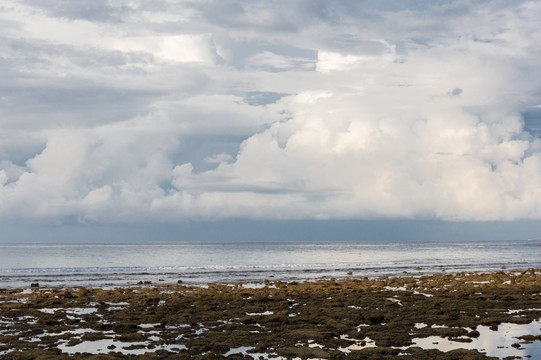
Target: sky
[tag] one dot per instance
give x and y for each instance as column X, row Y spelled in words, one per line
column 348, row 118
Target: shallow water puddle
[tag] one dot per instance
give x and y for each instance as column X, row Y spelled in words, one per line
column 243, row 350
column 50, row 310
column 253, row 285
column 266, row 313
column 201, row 331
column 497, row 343
column 396, row 301
column 113, row 306
column 314, row 344
column 72, row 311
column 81, row 311
column 5, row 352
column 395, row 288
column 403, row 288
column 357, row 344
column 240, row 350
column 105, row 346
column 19, row 301
column 75, row 332
column 521, row 311
column 179, row 326
column 148, row 326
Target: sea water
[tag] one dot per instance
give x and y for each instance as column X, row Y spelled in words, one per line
column 121, row 264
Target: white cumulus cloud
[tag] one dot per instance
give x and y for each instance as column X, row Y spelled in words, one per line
column 183, row 111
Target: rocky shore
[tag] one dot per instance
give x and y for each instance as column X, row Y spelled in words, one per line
column 353, row 318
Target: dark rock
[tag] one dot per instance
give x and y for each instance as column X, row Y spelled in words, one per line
column 291, row 319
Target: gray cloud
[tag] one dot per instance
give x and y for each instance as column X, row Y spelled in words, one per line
column 262, row 97
column 69, row 105
column 167, row 111
column 85, row 86
column 97, row 10
column 455, row 92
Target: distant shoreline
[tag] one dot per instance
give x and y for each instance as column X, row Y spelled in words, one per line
column 324, row 319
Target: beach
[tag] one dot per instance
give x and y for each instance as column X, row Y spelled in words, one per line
column 475, row 315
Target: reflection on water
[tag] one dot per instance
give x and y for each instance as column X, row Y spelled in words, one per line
column 105, row 346
column 497, row 343
column 121, row 264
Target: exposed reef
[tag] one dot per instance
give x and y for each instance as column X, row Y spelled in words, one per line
column 354, row 318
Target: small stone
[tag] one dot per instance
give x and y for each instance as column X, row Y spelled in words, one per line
column 34, row 285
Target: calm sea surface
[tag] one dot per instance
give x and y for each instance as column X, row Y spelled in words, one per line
column 118, row 264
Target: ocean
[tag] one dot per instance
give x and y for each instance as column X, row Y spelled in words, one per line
column 126, row 264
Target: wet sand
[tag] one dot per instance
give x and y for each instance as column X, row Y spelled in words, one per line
column 443, row 316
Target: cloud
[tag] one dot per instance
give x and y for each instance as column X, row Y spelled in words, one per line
column 187, row 48
column 99, row 10
column 455, row 92
column 273, row 62
column 212, row 110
